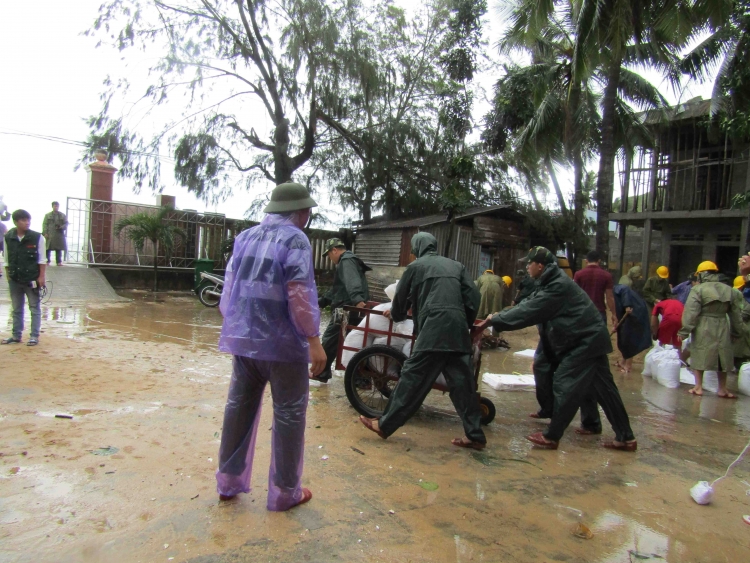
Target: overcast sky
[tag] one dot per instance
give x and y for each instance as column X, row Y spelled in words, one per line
column 51, row 80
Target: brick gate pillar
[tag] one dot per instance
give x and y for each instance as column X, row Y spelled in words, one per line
column 101, row 177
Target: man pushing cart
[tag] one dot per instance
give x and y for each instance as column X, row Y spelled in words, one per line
column 444, row 303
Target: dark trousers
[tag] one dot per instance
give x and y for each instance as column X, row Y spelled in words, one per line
column 574, row 380
column 330, row 343
column 544, row 371
column 58, row 256
column 418, row 375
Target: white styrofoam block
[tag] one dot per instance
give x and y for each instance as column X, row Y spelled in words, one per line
column 505, row 380
column 525, row 353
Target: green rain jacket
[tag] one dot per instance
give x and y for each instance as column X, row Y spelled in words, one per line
column 349, row 283
column 705, row 321
column 567, row 319
column 656, row 288
column 443, row 299
column 491, row 289
column 741, row 344
column 526, row 287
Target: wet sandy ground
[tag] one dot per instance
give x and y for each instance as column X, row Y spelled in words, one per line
column 146, row 387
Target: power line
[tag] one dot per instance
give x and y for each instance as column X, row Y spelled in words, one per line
column 73, row 142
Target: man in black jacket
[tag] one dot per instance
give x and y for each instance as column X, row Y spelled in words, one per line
column 349, row 289
column 575, row 343
column 25, row 267
column 444, row 303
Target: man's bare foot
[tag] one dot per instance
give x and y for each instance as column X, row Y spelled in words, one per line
column 464, row 442
column 629, row 446
column 226, row 497
column 696, row 391
column 726, row 395
column 372, row 424
column 539, row 440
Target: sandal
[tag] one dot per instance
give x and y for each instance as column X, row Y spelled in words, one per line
column 538, row 439
column 623, row 447
column 368, row 424
column 11, row 340
column 306, row 496
column 727, row 396
column 224, row 498
column 462, row 443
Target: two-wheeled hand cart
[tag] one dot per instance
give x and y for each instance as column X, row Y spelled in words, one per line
column 372, row 373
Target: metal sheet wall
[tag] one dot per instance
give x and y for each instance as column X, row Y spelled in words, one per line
column 379, row 248
column 461, row 248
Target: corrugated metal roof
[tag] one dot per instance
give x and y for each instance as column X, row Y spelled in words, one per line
column 696, row 107
column 441, row 218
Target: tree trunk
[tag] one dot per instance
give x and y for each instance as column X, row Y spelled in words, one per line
column 449, row 238
column 156, row 265
column 537, row 204
column 607, row 152
column 578, row 203
column 556, row 184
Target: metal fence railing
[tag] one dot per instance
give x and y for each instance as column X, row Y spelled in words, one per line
column 91, row 236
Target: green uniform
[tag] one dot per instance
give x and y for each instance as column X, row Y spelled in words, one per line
column 741, row 340
column 705, row 321
column 526, row 287
column 656, row 289
column 349, row 288
column 573, row 348
column 444, row 303
column 491, row 289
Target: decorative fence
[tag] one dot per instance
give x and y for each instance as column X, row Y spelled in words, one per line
column 91, row 236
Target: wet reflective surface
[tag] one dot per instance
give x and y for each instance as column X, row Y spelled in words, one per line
column 130, row 476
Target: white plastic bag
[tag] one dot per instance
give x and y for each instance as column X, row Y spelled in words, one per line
column 648, row 362
column 668, row 365
column 743, row 380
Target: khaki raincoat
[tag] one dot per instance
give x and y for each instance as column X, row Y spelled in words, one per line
column 705, row 321
column 491, row 289
column 741, row 344
column 656, row 289
column 53, row 229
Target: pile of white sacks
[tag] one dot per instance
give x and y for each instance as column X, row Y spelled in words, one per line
column 356, row 338
column 664, row 365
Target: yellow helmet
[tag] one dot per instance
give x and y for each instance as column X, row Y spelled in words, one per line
column 662, row 272
column 507, row 280
column 707, row 266
column 739, row 282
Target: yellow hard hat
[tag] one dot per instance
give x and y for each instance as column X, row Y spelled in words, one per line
column 662, row 272
column 707, row 266
column 739, row 282
column 489, row 272
column 507, row 280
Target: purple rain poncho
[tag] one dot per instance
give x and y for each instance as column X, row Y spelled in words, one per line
column 269, row 300
column 270, row 308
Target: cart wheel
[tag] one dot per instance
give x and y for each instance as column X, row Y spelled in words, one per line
column 207, row 298
column 487, row 409
column 370, row 378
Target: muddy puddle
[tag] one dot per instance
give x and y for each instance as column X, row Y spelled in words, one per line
column 129, row 477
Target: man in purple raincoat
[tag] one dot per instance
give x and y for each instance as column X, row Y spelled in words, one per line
column 272, row 328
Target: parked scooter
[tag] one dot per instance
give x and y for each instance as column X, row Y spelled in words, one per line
column 210, row 294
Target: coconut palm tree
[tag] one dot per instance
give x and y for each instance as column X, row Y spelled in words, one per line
column 154, row 227
column 613, row 39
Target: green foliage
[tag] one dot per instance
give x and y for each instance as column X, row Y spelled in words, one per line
column 153, row 227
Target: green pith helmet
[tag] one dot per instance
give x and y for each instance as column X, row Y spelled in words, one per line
column 541, row 255
column 332, row 243
column 290, row 196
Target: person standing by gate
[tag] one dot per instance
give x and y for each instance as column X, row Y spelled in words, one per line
column 53, row 227
column 25, row 268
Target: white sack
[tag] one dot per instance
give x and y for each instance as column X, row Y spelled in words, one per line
column 743, row 380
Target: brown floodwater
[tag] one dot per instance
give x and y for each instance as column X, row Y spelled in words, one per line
column 130, row 476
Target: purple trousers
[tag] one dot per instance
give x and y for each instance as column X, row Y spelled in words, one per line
column 289, row 390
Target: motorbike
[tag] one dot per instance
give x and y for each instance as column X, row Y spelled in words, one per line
column 210, row 294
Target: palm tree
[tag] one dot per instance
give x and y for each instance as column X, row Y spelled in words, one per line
column 613, row 37
column 140, row 227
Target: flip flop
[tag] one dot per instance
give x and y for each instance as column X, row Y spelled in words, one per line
column 624, row 447
column 586, row 432
column 471, row 445
column 306, row 496
column 224, row 498
column 727, row 396
column 539, row 440
column 367, row 422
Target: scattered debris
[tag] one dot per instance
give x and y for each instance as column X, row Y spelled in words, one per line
column 746, row 518
column 63, row 416
column 582, row 531
column 429, row 485
column 391, row 512
column 638, row 555
column 108, row 472
column 324, row 458
column 195, row 497
column 166, row 545
column 358, row 451
column 109, row 450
